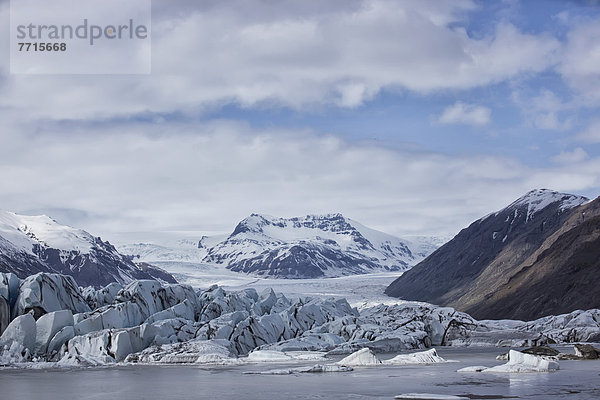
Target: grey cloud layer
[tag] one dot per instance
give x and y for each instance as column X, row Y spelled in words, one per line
column 124, row 176
column 293, row 56
column 210, row 176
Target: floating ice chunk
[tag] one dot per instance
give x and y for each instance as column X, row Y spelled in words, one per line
column 428, row 396
column 318, row 368
column 586, row 351
column 280, row 356
column 519, row 362
column 306, row 355
column 360, row 358
column 328, row 368
column 477, row 368
column 423, row 357
column 288, row 371
column 268, row 356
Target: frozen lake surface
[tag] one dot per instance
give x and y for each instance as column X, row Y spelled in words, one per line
column 575, row 380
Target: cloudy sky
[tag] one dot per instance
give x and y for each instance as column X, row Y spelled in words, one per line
column 412, row 117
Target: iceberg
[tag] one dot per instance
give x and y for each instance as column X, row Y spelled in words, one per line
column 518, row 363
column 428, row 396
column 318, row 368
column 362, row 357
column 423, row 357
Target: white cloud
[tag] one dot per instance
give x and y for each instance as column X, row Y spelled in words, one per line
column 591, row 134
column 569, row 157
column 123, row 176
column 342, row 53
column 468, row 114
column 545, row 110
column 157, row 177
column 581, row 60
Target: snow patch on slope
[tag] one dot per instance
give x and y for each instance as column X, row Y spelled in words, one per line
column 538, row 199
column 323, row 240
column 314, row 245
column 25, row 231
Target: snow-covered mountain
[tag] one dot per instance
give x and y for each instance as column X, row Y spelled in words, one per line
column 520, row 252
column 32, row 244
column 302, row 247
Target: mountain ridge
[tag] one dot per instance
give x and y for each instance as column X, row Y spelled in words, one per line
column 476, row 267
column 310, row 246
column 32, row 244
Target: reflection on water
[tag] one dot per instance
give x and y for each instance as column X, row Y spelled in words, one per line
column 530, row 382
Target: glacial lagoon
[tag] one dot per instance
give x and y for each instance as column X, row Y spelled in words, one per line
column 575, row 380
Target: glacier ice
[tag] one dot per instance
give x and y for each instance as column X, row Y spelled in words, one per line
column 146, row 321
column 43, row 293
column 21, row 330
column 48, row 325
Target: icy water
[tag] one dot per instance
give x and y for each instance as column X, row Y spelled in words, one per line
column 575, row 380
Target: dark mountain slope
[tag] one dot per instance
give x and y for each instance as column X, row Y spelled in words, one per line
column 474, row 271
column 562, row 276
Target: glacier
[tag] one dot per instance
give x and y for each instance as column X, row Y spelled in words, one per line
column 55, row 321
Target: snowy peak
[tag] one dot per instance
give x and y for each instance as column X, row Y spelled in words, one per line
column 503, row 258
column 32, row 244
column 268, row 225
column 332, row 229
column 312, row 246
column 25, row 231
column 538, row 199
